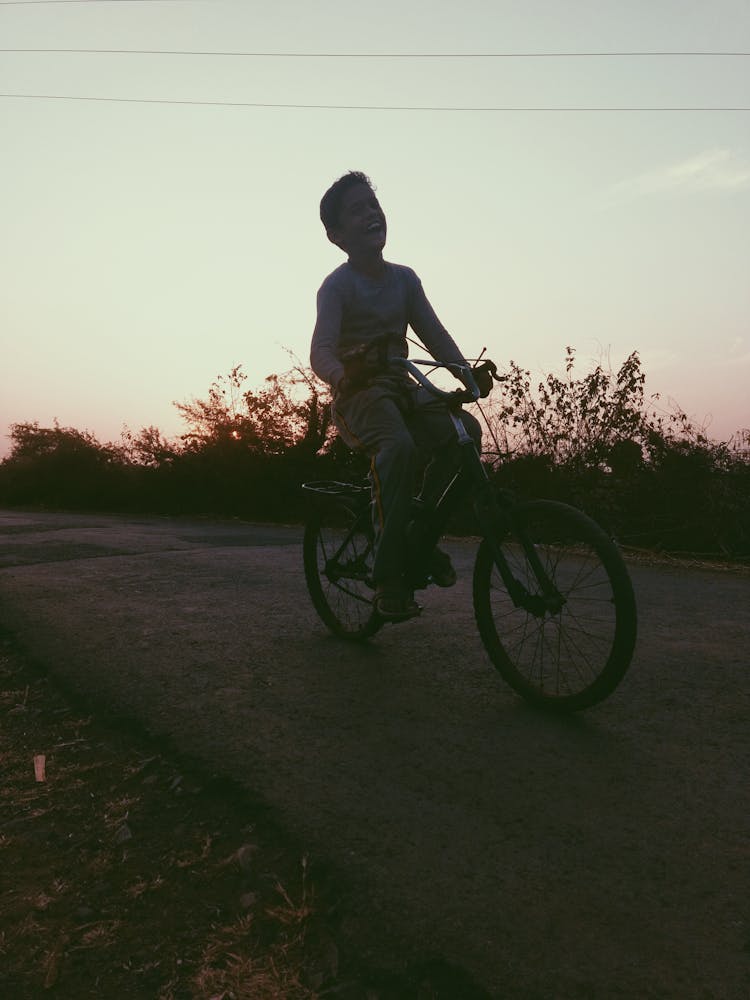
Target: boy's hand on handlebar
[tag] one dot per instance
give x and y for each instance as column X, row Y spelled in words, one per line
column 345, row 387
column 361, row 364
column 356, row 376
column 484, row 375
column 460, row 396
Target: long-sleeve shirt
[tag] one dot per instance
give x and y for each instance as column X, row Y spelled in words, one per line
column 354, row 309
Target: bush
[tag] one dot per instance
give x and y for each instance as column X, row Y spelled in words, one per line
column 652, row 479
column 61, row 467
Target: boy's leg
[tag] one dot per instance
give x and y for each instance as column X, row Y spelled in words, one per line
column 435, row 436
column 372, row 420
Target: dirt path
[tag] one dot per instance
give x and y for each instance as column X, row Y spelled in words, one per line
column 600, row 856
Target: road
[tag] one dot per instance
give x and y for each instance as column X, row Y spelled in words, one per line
column 605, row 855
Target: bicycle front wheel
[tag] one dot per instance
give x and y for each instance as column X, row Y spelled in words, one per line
column 337, row 554
column 567, row 637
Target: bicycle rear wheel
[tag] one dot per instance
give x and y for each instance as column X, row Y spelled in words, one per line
column 567, row 649
column 337, row 554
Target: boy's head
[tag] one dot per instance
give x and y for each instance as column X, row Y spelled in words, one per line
column 352, row 215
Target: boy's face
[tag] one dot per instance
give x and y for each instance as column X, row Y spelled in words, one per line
column 361, row 227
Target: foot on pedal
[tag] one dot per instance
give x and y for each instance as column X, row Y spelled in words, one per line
column 396, row 604
column 441, row 569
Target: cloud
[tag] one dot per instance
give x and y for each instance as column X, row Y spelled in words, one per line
column 714, row 170
column 739, row 354
column 736, row 355
column 659, row 359
column 738, row 359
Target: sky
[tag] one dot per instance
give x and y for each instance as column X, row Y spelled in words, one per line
column 148, row 247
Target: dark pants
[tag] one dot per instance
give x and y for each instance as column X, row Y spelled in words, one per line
column 400, row 426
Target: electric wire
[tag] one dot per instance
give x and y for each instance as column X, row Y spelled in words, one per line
column 385, row 55
column 31, row 3
column 366, row 56
column 372, row 107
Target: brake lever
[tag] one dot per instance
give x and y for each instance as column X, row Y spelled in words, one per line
column 460, row 396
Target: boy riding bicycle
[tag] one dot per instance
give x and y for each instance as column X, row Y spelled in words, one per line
column 363, row 310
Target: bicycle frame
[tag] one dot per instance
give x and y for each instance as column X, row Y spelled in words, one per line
column 494, row 517
column 552, row 597
column 357, row 498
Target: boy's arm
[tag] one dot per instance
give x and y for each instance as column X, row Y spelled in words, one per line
column 324, row 358
column 425, row 323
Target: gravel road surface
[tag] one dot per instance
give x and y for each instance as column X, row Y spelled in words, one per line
column 604, row 855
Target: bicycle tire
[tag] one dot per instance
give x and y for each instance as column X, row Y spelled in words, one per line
column 574, row 656
column 340, row 585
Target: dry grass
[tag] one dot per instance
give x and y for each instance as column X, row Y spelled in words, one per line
column 126, row 875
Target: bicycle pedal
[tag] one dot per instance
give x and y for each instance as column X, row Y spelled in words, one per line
column 406, row 617
column 395, row 616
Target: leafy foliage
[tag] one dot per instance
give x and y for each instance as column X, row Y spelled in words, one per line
column 594, row 440
column 270, row 421
column 147, row 448
column 59, row 466
column 581, row 420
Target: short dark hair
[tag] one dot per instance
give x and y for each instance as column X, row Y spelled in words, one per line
column 330, row 203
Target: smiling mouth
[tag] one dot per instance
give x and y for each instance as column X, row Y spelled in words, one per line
column 375, row 227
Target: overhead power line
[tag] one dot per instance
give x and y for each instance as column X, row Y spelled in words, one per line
column 28, row 3
column 359, row 107
column 384, row 55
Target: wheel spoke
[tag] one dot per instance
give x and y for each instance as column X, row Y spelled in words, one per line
column 574, row 652
column 338, row 557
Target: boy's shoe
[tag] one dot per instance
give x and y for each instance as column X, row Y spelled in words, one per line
column 441, row 569
column 395, row 604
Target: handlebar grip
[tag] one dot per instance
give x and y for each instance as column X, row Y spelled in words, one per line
column 470, row 394
column 460, row 396
column 472, row 389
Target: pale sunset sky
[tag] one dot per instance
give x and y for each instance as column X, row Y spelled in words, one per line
column 166, row 229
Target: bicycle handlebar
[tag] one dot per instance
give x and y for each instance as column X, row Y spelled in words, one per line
column 468, row 395
column 369, row 358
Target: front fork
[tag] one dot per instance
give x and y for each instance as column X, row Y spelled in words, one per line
column 496, row 521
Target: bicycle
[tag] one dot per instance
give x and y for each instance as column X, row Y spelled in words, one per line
column 553, row 600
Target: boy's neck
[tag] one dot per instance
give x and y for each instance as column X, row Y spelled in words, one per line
column 370, row 266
